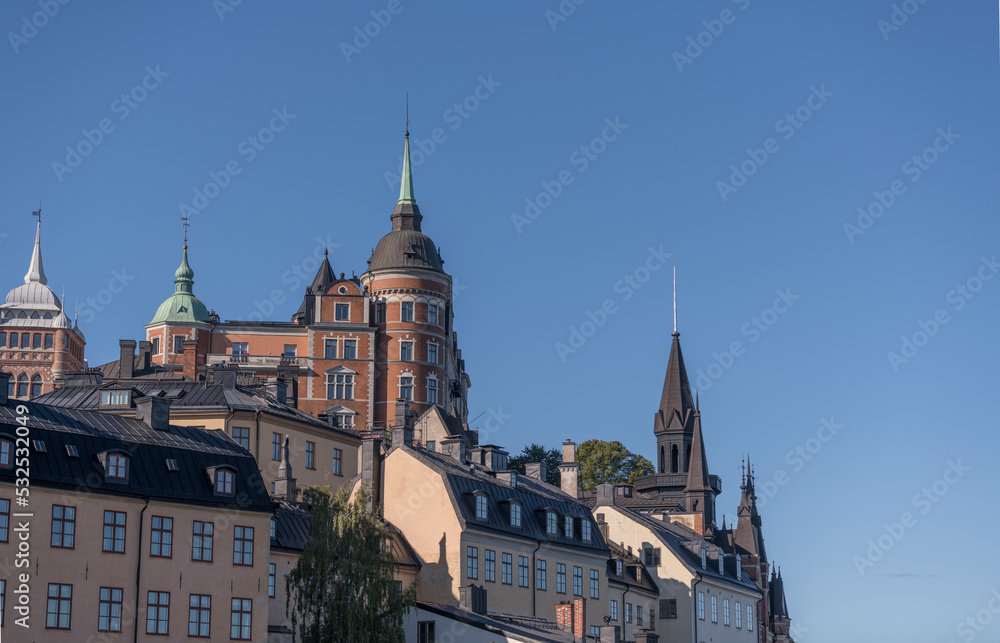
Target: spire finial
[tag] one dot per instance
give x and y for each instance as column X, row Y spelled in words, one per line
column 186, row 222
column 38, row 212
column 407, row 115
column 35, row 271
column 406, row 180
column 675, row 300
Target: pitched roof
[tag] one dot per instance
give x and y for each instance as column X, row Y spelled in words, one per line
column 698, row 466
column 634, row 573
column 749, row 537
column 676, row 402
column 520, row 629
column 324, row 278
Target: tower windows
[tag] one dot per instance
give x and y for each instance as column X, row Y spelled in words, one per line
column 330, row 349
column 36, row 385
column 406, row 387
column 36, row 340
column 380, row 312
column 406, row 351
column 156, row 346
column 406, row 311
column 432, row 352
column 22, row 385
column 432, row 390
column 674, row 459
column 179, row 343
column 432, row 314
column 350, row 349
column 48, row 340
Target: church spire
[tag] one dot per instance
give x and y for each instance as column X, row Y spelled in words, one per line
column 406, row 183
column 676, row 401
column 749, row 536
column 36, row 274
column 406, row 216
column 698, row 490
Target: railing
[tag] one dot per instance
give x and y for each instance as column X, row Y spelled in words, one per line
column 260, row 361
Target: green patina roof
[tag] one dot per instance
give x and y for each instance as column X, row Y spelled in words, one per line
column 406, row 184
column 182, row 306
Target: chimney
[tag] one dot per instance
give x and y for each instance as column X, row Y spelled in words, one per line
column 564, row 616
column 610, row 634
column 605, row 495
column 145, row 355
column 189, row 359
column 472, row 598
column 402, row 412
column 276, row 387
column 224, row 375
column 290, row 374
column 284, row 484
column 454, row 447
column 371, row 470
column 154, row 411
column 580, row 617
column 602, row 524
column 646, row 637
column 536, row 470
column 569, row 470
column 127, row 359
column 4, row 384
column 494, row 457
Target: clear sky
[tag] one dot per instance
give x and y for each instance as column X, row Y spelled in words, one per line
column 737, row 137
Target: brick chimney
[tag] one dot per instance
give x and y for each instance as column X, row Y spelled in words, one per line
column 127, row 359
column 573, row 617
column 371, row 469
column 536, row 470
column 569, row 470
column 189, row 359
column 145, row 355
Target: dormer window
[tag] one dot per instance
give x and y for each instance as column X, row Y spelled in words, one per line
column 114, row 398
column 551, row 523
column 224, row 482
column 6, row 454
column 117, row 466
column 704, row 558
column 619, row 566
column 274, row 527
column 568, row 526
column 722, row 563
column 515, row 514
column 585, row 530
column 739, row 567
column 481, row 506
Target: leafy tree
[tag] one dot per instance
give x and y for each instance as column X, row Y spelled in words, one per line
column 537, row 453
column 342, row 588
column 609, row 462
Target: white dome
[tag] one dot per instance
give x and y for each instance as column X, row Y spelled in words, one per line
column 33, row 296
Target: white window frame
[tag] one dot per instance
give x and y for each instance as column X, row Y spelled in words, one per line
column 432, row 347
column 482, row 506
column 336, row 309
column 701, row 606
column 406, row 375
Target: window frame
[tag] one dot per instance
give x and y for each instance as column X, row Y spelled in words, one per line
column 272, row 579
column 117, row 464
column 241, row 437
column 60, row 599
column 310, row 455
column 506, row 568
column 577, row 580
column 595, row 584
column 240, row 536
column 329, row 348
column 472, row 562
column 338, row 457
column 432, row 314
column 243, row 607
column 701, row 606
column 165, row 531
column 62, row 521
column 541, row 574
column 196, row 614
column 201, row 538
column 349, row 349
column 339, row 307
column 490, row 566
column 276, row 447
column 406, row 311
column 105, row 621
column 225, row 482
column 115, row 526
column 715, row 608
column 157, row 611
column 560, row 578
column 523, row 572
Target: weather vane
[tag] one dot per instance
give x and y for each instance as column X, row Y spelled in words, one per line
column 38, row 212
column 407, row 115
column 187, row 224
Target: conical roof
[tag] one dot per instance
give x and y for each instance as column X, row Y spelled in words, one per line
column 182, row 306
column 676, row 402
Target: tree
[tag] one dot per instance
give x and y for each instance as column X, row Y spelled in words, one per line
column 343, row 588
column 609, row 462
column 537, row 453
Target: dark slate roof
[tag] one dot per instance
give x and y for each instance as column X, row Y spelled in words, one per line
column 112, row 370
column 320, row 283
column 192, row 395
column 520, row 629
column 676, row 402
column 637, row 501
column 406, row 246
column 778, row 605
column 535, row 497
column 634, row 573
column 194, row 450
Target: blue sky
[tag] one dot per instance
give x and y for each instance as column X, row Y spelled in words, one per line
column 742, row 157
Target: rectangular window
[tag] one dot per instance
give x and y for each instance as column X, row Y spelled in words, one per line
column 337, row 457
column 550, row 523
column 568, row 526
column 628, row 612
column 507, row 569
column 330, row 349
column 522, row 571
column 161, row 537
column 406, row 351
column 342, row 312
column 239, row 628
column 48, row 340
column 243, row 546
column 310, row 455
column 613, row 610
column 242, row 436
column 201, row 545
column 432, row 390
column 715, row 609
column 406, row 311
column 578, row 581
column 58, row 606
column 6, row 446
column 406, row 388
column 380, row 313
column 3, row 599
column 515, row 514
column 482, row 506
column 25, row 340
column 595, row 631
column 432, row 353
column 3, row 339
column 114, row 532
column 109, row 609
column 350, row 349
column 541, row 575
column 472, row 562
column 725, row 611
column 432, row 314
column 156, row 346
column 13, row 340
column 739, row 615
column 158, row 613
column 668, row 608
column 561, row 578
column 289, row 350
column 750, row 618
column 585, row 530
column 200, row 616
column 491, row 566
column 117, row 466
column 276, row 447
column 272, row 574
column 240, row 348
column 651, row 556
column 430, row 445
column 340, row 386
column 36, row 340
column 595, row 584
column 425, row 632
column 701, row 605
column 638, row 615
column 63, row 526
column 179, row 343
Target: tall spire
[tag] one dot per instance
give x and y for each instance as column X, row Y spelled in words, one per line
column 749, row 536
column 698, row 467
column 36, row 274
column 406, row 183
column 676, row 402
column 675, row 299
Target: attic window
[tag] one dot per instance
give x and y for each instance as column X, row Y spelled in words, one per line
column 618, row 566
column 172, row 465
column 515, row 513
column 704, row 558
column 173, row 394
column 739, row 568
column 224, row 482
column 6, row 454
column 722, row 563
column 114, row 398
column 551, row 522
column 40, row 446
column 117, row 467
column 585, row 530
column 482, row 504
column 72, row 451
column 568, row 526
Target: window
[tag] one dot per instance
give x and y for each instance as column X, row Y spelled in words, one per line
column 272, row 573
column 750, row 618
column 63, row 526
column 6, row 447
column 224, row 482
column 725, row 611
column 595, row 632
column 651, row 556
column 117, row 466
column 628, row 612
column 109, row 609
column 515, row 514
column 585, row 530
column 380, row 312
column 57, row 609
column 430, row 445
column 652, row 619
column 491, row 566
column 156, row 346
column 10, row 387
column 114, row 398
column 618, row 566
column 242, row 436
column 22, row 385
column 161, row 537
column 507, row 569
column 310, row 455
column 350, row 349
column 561, row 578
column 668, row 608
column 638, row 615
column 36, row 385
column 289, row 350
column 550, row 523
column 568, row 526
column 330, row 349
column 701, row 605
column 239, row 628
column 739, row 615
column 595, row 584
column 432, row 390
column 201, row 545
column 339, row 386
column 425, row 632
column 25, row 340
column 114, row 532
column 36, row 340
column 432, row 314
column 577, row 581
column 541, row 575
column 406, row 388
column 274, row 527
column 406, row 311
column 715, row 609
column 472, row 562
column 481, row 506
column 613, row 610
column 276, row 446
column 406, row 351
column 48, row 340
column 243, row 546
column 3, row 339
column 179, row 343
column 432, row 352
column 522, row 571
column 342, row 312
column 337, row 457
column 200, row 615
column 240, row 348
column 704, row 558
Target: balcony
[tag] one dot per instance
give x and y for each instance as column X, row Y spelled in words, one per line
column 257, row 361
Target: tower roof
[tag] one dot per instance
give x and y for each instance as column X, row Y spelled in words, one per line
column 676, row 403
column 749, row 537
column 182, row 306
column 779, row 607
column 324, row 278
column 698, row 467
column 33, row 295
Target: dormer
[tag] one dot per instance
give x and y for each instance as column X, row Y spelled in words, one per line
column 551, row 517
column 515, row 512
column 223, row 479
column 116, row 465
column 116, row 398
column 482, row 504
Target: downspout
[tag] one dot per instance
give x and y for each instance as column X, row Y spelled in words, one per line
column 534, row 568
column 694, row 601
column 256, row 446
column 624, row 624
column 138, row 569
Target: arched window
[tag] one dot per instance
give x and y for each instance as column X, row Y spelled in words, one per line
column 22, row 385
column 224, row 482
column 674, row 457
column 663, row 463
column 36, row 386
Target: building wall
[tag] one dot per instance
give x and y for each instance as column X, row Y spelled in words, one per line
column 637, row 598
column 49, row 364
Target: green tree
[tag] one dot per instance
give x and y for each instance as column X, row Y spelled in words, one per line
column 609, row 462
column 537, row 453
column 342, row 588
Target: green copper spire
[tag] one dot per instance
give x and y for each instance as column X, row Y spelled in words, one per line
column 183, row 305
column 406, row 184
column 184, row 276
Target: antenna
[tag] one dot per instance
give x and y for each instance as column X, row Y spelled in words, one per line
column 675, row 299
